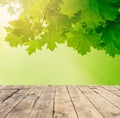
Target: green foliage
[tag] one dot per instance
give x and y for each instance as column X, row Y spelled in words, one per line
column 80, row 24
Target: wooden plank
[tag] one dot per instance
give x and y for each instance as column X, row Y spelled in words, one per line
column 13, row 87
column 19, row 87
column 44, row 106
column 117, row 87
column 5, row 94
column 63, row 107
column 108, row 96
column 8, row 87
column 1, row 87
column 82, row 105
column 59, row 102
column 10, row 103
column 107, row 109
column 26, row 104
column 112, row 89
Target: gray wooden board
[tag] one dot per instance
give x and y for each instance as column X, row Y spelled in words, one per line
column 10, row 103
column 25, row 105
column 115, row 100
column 107, row 109
column 63, row 105
column 59, row 101
column 44, row 105
column 82, row 105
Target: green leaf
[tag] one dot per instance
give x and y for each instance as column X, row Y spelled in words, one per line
column 95, row 11
column 13, row 40
column 53, row 36
column 111, row 38
column 33, row 45
column 78, row 39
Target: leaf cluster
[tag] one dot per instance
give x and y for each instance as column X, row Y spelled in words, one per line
column 80, row 24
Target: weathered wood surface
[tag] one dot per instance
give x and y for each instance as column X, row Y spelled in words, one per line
column 59, row 101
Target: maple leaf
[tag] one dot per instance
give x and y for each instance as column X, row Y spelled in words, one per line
column 33, row 45
column 111, row 38
column 52, row 36
column 13, row 40
column 95, row 11
column 77, row 39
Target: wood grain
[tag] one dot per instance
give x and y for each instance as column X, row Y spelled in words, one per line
column 59, row 101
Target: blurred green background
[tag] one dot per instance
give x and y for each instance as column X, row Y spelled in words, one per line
column 62, row 66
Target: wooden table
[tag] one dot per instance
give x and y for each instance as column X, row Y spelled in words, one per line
column 59, row 101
